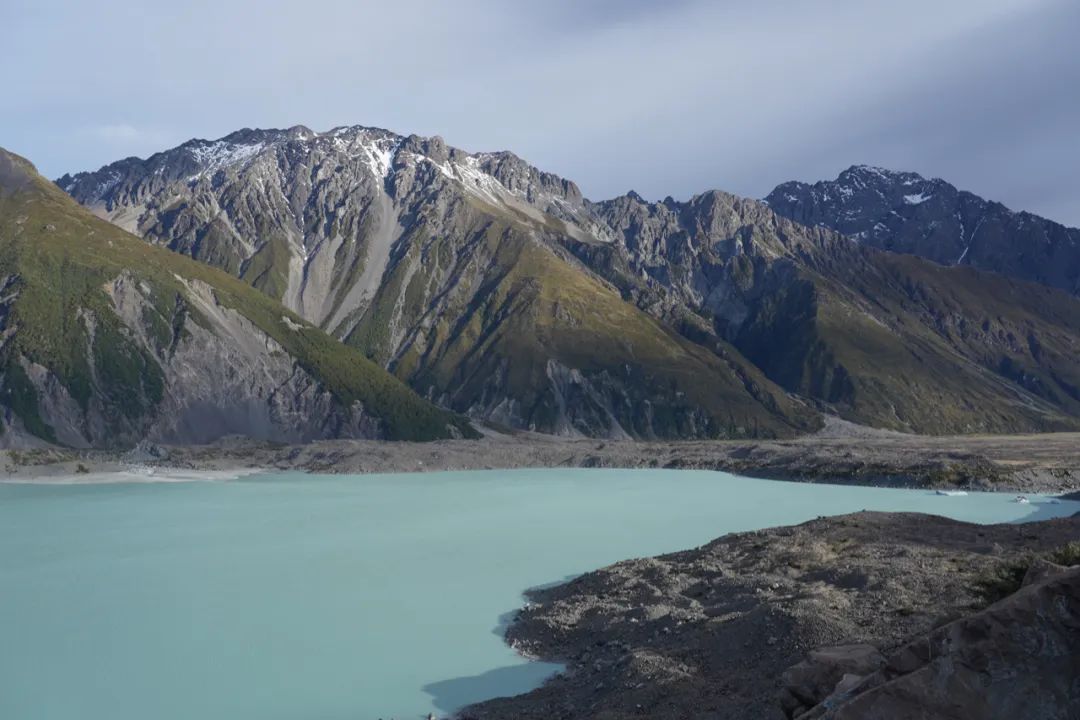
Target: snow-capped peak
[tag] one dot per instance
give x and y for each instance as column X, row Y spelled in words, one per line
column 378, row 147
column 883, row 173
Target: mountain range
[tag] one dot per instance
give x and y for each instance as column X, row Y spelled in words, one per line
column 498, row 292
column 450, row 269
column 907, row 213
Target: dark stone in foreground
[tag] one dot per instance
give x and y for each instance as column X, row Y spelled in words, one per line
column 709, row 633
column 1019, row 658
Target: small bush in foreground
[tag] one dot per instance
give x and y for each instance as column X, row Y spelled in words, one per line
column 1005, row 579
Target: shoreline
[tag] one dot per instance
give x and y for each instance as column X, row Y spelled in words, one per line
column 110, row 473
column 128, row 475
column 715, row 627
column 1045, row 464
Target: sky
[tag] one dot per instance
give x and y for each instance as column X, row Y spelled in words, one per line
column 665, row 97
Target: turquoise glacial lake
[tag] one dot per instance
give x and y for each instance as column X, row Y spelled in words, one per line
column 302, row 597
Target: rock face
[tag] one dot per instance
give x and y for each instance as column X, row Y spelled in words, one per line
column 824, row 674
column 1018, row 658
column 497, row 290
column 106, row 341
column 907, row 213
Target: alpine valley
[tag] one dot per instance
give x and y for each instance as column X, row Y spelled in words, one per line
column 501, row 295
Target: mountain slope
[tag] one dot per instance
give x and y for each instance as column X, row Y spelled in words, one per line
column 105, row 340
column 311, row 219
column 907, row 213
column 445, row 267
column 881, row 339
column 499, row 291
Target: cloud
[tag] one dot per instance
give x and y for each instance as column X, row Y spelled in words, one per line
column 665, row 98
column 990, row 111
column 122, row 134
column 117, row 140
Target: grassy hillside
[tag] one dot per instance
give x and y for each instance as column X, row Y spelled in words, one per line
column 567, row 348
column 56, row 260
column 896, row 341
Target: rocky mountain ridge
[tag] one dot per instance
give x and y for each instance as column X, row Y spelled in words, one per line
column 443, row 266
column 907, row 213
column 879, row 338
column 278, row 206
column 499, row 291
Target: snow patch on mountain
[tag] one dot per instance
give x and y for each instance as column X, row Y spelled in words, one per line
column 379, row 147
column 221, row 153
column 469, row 175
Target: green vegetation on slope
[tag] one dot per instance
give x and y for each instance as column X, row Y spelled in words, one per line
column 19, row 394
column 895, row 341
column 267, row 269
column 1008, row 577
column 62, row 258
column 537, row 322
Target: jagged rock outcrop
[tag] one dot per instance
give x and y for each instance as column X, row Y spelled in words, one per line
column 907, row 213
column 106, row 341
column 1019, row 658
column 826, row 672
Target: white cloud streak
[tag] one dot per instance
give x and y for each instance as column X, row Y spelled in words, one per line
column 667, row 98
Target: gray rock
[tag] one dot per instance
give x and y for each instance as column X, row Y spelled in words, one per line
column 1041, row 570
column 826, row 671
column 1019, row 658
column 904, row 212
column 717, row 661
column 106, row 342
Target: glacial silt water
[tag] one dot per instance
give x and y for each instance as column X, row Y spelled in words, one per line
column 296, row 597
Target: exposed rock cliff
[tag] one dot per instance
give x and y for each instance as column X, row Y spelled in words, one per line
column 1019, row 658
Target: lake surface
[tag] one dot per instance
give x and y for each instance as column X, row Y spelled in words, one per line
column 298, row 597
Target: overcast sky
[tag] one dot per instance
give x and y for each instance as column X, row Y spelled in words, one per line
column 668, row 97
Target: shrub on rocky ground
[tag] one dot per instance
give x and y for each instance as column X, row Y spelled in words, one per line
column 1005, row 579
